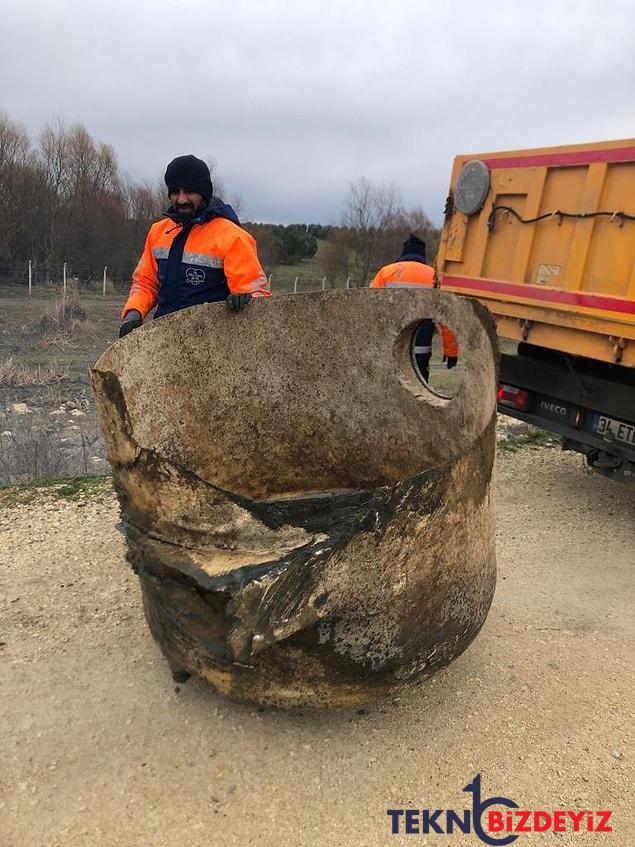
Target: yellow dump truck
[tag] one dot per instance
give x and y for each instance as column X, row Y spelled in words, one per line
column 545, row 238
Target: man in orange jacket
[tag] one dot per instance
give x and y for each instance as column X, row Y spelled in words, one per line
column 410, row 271
column 197, row 254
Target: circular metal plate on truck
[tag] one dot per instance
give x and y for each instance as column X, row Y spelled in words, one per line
column 472, row 188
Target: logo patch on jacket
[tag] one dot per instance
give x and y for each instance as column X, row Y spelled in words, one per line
column 194, row 276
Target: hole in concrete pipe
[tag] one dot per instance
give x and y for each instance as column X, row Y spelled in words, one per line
column 435, row 358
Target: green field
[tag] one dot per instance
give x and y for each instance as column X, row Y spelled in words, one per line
column 308, row 272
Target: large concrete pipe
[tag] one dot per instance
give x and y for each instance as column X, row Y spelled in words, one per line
column 310, row 524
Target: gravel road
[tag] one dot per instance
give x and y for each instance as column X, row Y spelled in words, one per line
column 98, row 746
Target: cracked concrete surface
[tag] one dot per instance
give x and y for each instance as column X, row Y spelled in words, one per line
column 309, row 523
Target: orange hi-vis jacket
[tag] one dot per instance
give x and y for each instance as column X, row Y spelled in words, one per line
column 414, row 274
column 201, row 261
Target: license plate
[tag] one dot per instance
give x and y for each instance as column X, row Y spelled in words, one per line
column 612, row 429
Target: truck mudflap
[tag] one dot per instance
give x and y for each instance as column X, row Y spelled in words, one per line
column 310, row 524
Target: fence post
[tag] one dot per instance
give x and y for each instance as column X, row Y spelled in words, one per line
column 104, row 289
column 323, row 283
column 348, row 280
column 295, row 285
column 30, row 277
column 64, row 283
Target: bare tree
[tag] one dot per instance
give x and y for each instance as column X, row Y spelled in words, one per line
column 106, row 170
column 65, row 201
column 14, row 161
column 419, row 222
column 14, row 144
column 54, row 156
column 374, row 225
column 144, row 201
column 411, row 221
column 335, row 256
column 369, row 212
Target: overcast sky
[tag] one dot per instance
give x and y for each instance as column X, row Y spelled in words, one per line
column 296, row 99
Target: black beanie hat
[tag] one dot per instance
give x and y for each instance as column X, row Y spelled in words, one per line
column 191, row 173
column 413, row 244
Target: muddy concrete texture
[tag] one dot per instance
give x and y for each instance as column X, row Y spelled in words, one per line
column 100, row 748
column 310, row 524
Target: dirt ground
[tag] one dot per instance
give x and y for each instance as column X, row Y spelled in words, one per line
column 98, row 746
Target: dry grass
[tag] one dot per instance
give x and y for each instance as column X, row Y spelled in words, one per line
column 23, row 376
column 97, row 287
column 61, row 320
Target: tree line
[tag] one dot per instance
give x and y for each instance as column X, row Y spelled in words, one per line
column 65, row 199
column 373, row 226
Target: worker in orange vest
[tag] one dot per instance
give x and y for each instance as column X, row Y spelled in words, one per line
column 198, row 253
column 410, row 271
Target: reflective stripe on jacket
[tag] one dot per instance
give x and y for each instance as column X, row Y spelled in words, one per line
column 201, row 261
column 412, row 274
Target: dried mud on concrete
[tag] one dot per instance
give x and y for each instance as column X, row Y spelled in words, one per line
column 99, row 747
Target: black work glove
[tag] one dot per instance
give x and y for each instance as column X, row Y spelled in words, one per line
column 451, row 361
column 131, row 321
column 237, row 302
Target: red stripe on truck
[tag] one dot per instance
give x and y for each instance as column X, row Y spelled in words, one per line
column 549, row 295
column 578, row 157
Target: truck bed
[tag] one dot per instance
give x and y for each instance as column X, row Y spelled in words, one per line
column 551, row 251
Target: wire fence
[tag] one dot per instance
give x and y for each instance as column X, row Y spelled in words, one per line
column 33, row 280
column 298, row 284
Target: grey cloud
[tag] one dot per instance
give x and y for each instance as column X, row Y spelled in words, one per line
column 296, row 100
